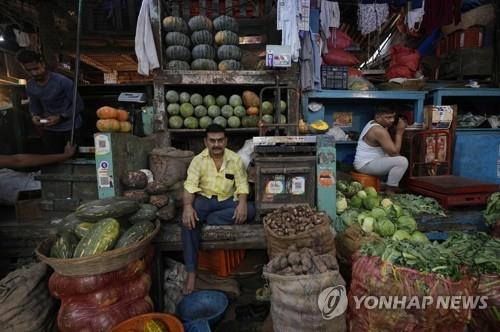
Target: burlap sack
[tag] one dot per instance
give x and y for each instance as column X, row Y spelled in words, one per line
column 321, row 239
column 294, row 302
column 169, row 165
column 349, row 241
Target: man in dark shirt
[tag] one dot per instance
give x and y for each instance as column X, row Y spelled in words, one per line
column 51, row 102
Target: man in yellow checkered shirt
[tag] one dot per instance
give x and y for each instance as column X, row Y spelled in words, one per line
column 215, row 191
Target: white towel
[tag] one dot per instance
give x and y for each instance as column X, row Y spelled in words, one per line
column 145, row 48
column 415, row 18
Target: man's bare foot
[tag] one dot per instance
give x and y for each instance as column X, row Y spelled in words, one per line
column 390, row 190
column 190, row 282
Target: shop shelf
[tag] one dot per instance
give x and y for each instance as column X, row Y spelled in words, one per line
column 202, row 131
column 217, row 77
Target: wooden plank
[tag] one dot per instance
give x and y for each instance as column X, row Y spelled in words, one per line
column 237, row 77
column 94, row 63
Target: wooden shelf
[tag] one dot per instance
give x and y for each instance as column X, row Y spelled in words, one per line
column 185, row 131
column 232, row 77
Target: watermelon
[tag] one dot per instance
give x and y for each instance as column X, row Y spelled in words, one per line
column 191, row 122
column 235, row 100
column 282, row 119
column 282, row 106
column 187, row 110
column 135, row 233
column 240, row 111
column 221, row 100
column 209, row 100
column 267, row 118
column 214, row 111
column 205, row 122
column 221, row 121
column 200, row 111
column 267, row 108
column 196, row 99
column 101, row 237
column 172, row 96
column 233, row 122
column 184, row 97
column 250, row 121
column 175, row 122
column 226, row 111
column 173, row 109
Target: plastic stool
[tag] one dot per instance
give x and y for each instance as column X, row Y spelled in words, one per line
column 367, row 180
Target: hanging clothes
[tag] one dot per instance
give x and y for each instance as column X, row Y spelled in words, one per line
column 22, row 38
column 371, row 15
column 439, row 13
column 145, row 48
column 306, row 62
column 288, row 23
column 415, row 17
column 329, row 16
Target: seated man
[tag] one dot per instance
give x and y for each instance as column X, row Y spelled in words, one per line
column 377, row 152
column 12, row 182
column 215, row 191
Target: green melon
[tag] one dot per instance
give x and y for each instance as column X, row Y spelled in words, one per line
column 235, row 100
column 267, row 108
column 221, row 100
column 233, row 122
column 214, row 111
column 227, row 111
column 282, row 118
column 175, row 122
column 221, row 121
column 209, row 100
column 205, row 122
column 196, row 99
column 200, row 111
column 267, row 118
column 191, row 122
column 240, row 111
column 173, row 109
column 187, row 110
column 250, row 121
column 172, row 96
column 184, row 97
column 282, row 106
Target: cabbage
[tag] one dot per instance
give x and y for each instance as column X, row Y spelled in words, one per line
column 349, row 217
column 355, row 186
column 342, row 186
column 362, row 216
column 356, row 202
column 341, row 205
column 406, row 223
column 386, row 203
column 361, row 194
column 401, row 235
column 367, row 225
column 370, row 191
column 370, row 202
column 384, row 227
column 378, row 213
column 339, row 194
column 419, row 237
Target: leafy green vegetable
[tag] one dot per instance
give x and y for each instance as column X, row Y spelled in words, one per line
column 419, row 237
column 406, row 223
column 416, row 204
column 384, row 227
column 401, row 235
column 492, row 212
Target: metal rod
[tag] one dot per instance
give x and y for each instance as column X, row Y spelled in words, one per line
column 77, row 69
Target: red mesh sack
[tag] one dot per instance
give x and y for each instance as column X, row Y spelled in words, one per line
column 404, row 62
column 339, row 57
column 488, row 319
column 338, row 39
column 72, row 319
column 126, row 291
column 373, row 277
column 399, row 71
column 354, row 72
column 61, row 286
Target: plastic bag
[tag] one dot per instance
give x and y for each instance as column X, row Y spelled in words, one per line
column 246, row 151
column 338, row 133
column 339, row 57
column 359, row 84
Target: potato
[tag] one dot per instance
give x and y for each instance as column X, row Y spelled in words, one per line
column 294, row 258
column 318, row 263
column 283, row 262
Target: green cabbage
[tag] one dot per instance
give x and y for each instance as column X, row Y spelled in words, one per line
column 406, row 223
column 355, row 186
column 341, row 205
column 370, row 202
column 367, row 225
column 349, row 217
column 419, row 237
column 361, row 194
column 384, row 227
column 370, row 191
column 356, row 202
column 378, row 213
column 401, row 235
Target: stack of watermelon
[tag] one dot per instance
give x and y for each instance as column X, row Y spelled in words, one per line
column 195, row 111
column 227, row 40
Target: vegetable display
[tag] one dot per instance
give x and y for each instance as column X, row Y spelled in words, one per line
column 287, row 221
column 492, row 212
column 301, row 262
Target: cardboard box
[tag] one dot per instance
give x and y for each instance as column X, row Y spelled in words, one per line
column 439, row 117
column 28, row 206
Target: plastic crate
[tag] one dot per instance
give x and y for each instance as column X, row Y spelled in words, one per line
column 334, row 78
column 220, row 262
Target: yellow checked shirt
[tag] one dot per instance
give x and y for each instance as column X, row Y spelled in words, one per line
column 203, row 177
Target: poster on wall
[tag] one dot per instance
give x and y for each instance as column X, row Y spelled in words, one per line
column 342, row 119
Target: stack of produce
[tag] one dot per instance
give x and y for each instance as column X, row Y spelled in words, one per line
column 492, row 213
column 112, row 119
column 96, row 227
column 195, row 111
column 25, row 302
column 155, row 197
column 203, row 52
column 301, row 226
column 100, row 302
column 417, row 205
column 178, row 43
column 227, row 40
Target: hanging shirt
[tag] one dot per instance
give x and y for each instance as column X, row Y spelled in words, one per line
column 329, row 16
column 55, row 98
column 145, row 48
column 365, row 152
column 288, row 21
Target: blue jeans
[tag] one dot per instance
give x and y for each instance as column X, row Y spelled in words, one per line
column 214, row 213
